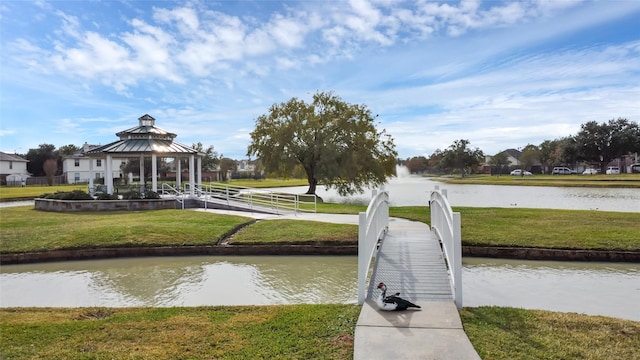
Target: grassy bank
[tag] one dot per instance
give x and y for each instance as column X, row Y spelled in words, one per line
column 599, row 181
column 25, row 229
column 290, row 332
column 508, row 333
column 230, row 332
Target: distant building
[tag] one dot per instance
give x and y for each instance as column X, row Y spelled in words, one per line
column 13, row 169
column 76, row 169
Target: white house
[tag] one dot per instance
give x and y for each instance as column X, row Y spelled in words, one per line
column 76, row 167
column 13, row 169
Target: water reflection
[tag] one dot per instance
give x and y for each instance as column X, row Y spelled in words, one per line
column 181, row 281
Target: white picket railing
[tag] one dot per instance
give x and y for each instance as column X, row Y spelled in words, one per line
column 445, row 224
column 255, row 198
column 373, row 226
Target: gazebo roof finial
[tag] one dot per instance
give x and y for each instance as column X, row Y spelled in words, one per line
column 147, row 120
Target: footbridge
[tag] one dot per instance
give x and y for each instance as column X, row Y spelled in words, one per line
column 240, row 198
column 425, row 265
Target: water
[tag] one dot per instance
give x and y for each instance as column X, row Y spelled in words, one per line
column 591, row 288
column 415, row 190
column 182, row 281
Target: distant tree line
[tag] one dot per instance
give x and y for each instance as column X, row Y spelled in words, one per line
column 596, row 144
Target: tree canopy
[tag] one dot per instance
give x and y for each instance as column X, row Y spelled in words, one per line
column 499, row 161
column 37, row 158
column 602, row 143
column 459, row 157
column 336, row 143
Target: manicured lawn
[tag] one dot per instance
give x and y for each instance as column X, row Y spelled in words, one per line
column 267, row 183
column 230, row 332
column 25, row 229
column 296, row 232
column 291, row 332
column 507, row 333
column 16, row 192
column 609, row 181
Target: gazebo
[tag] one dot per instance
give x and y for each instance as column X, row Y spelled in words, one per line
column 147, row 140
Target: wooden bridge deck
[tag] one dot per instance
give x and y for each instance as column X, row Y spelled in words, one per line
column 412, row 263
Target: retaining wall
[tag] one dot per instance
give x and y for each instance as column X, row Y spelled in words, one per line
column 103, row 205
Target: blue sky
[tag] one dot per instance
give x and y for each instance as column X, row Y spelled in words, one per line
column 502, row 74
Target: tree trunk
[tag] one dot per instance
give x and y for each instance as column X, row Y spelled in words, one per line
column 312, row 185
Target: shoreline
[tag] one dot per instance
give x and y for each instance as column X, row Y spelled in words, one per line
column 287, row 250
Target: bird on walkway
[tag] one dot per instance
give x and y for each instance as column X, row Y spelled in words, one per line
column 392, row 302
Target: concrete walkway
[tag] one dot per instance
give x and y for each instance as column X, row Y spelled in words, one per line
column 433, row 332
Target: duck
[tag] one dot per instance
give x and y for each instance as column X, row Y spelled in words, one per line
column 392, row 302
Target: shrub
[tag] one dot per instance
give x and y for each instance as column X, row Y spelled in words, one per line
column 105, row 196
column 132, row 195
column 151, row 195
column 68, row 195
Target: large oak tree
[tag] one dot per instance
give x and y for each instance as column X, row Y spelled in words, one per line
column 336, row 143
column 461, row 158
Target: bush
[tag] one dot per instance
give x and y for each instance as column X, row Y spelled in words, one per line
column 151, row 195
column 105, row 196
column 132, row 195
column 68, row 195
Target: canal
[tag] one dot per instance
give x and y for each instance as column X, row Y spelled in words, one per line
column 609, row 289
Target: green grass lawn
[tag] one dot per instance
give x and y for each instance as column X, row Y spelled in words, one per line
column 229, row 332
column 296, row 232
column 25, row 229
column 290, row 332
column 16, row 192
column 609, row 181
column 507, row 333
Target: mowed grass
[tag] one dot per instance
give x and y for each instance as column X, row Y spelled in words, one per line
column 25, row 229
column 508, row 333
column 229, row 332
column 30, row 192
column 544, row 228
column 296, row 232
column 577, row 180
column 291, row 332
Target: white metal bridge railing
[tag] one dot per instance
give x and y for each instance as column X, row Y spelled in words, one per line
column 169, row 190
column 252, row 198
column 373, row 225
column 445, row 224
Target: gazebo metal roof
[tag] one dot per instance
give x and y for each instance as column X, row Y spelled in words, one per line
column 145, row 139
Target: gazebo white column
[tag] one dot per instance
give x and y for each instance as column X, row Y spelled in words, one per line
column 178, row 173
column 142, row 184
column 154, row 172
column 191, row 175
column 200, row 172
column 108, row 175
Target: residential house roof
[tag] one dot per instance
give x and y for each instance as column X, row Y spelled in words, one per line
column 11, row 157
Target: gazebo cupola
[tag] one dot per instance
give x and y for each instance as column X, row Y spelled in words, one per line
column 144, row 140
